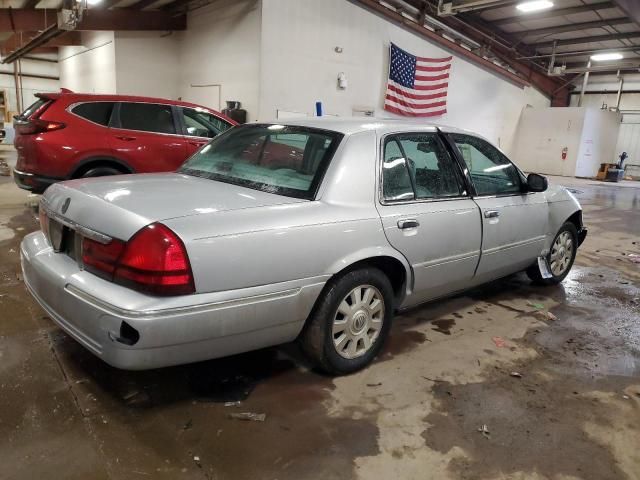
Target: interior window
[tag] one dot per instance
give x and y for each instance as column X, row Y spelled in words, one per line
column 396, row 183
column 96, row 112
column 491, row 172
column 417, row 165
column 199, row 123
column 147, row 117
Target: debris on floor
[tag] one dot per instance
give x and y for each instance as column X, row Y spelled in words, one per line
column 137, row 398
column 484, row 430
column 538, row 306
column 249, row 416
column 516, row 374
column 551, row 316
column 499, row 341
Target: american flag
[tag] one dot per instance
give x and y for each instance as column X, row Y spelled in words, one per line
column 417, row 86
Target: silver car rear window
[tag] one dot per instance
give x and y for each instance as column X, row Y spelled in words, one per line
column 284, row 160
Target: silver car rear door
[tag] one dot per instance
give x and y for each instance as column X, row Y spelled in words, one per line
column 427, row 213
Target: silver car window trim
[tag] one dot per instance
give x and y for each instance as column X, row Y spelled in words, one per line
column 82, row 230
column 518, row 194
column 382, row 200
column 122, row 312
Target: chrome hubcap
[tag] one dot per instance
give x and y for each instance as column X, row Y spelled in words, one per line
column 358, row 321
column 561, row 254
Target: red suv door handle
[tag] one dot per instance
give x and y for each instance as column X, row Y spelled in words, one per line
column 126, row 139
column 199, row 144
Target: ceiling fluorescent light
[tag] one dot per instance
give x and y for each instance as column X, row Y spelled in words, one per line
column 603, row 57
column 534, row 6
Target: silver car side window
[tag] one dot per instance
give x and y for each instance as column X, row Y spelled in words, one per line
column 491, row 172
column 396, row 182
column 417, row 166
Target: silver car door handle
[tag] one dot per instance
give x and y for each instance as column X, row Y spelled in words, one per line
column 491, row 214
column 408, row 223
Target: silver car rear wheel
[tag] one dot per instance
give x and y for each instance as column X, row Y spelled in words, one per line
column 358, row 321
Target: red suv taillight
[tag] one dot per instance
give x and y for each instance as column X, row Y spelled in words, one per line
column 36, row 125
column 153, row 261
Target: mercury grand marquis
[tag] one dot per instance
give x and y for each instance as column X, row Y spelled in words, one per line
column 350, row 221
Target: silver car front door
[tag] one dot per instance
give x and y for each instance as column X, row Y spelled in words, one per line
column 428, row 215
column 514, row 221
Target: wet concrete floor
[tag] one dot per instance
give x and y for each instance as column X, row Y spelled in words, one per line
column 506, row 381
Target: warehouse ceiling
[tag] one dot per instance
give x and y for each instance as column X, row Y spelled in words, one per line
column 578, row 28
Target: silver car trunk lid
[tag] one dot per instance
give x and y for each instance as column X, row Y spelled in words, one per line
column 121, row 205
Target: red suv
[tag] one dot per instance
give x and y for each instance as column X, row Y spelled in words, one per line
column 70, row 135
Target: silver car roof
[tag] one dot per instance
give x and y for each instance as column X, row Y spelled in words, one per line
column 351, row 125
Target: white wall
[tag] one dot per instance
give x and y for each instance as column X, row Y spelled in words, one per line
column 90, row 68
column 589, row 134
column 146, row 63
column 628, row 137
column 542, row 134
column 221, row 47
column 300, row 66
column 598, row 141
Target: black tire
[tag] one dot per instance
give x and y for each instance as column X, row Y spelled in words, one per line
column 317, row 339
column 533, row 272
column 100, row 172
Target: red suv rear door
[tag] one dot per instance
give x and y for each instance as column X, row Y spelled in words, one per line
column 146, row 136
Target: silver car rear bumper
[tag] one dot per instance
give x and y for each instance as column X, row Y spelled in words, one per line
column 172, row 330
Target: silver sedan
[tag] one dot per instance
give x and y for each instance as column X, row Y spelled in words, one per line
column 317, row 230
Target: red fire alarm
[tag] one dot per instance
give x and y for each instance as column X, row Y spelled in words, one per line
column 564, row 153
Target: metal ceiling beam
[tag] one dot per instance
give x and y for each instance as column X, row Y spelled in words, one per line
column 30, row 4
column 115, row 19
column 581, row 68
column 573, row 27
column 19, row 39
column 559, row 12
column 592, row 39
column 453, row 7
column 140, row 4
column 38, row 41
column 578, row 53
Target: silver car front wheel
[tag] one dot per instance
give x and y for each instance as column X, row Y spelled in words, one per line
column 358, row 321
column 561, row 254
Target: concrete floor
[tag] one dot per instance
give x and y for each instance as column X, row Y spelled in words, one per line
column 572, row 412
